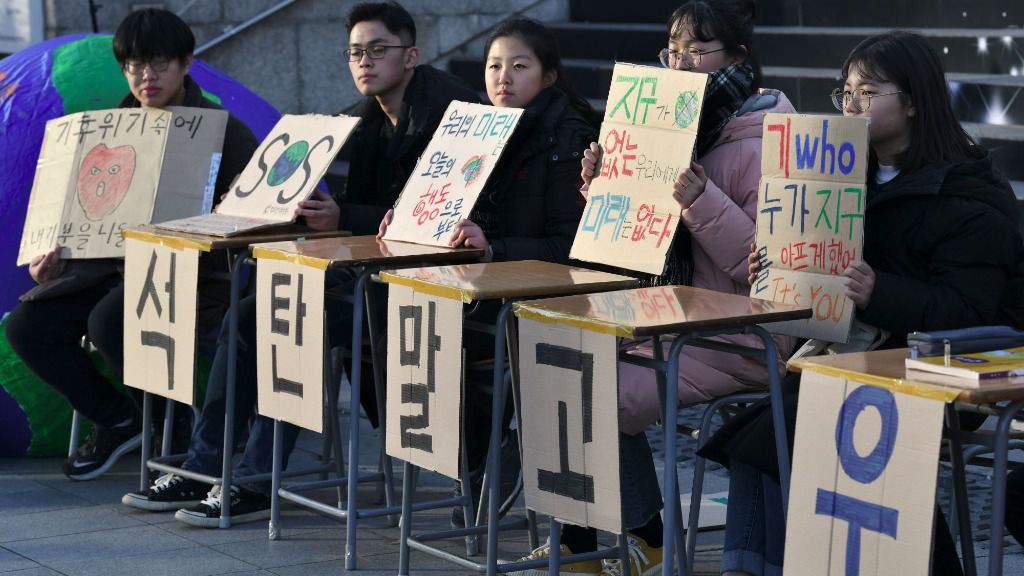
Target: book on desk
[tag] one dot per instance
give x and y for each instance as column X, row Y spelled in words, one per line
column 968, row 370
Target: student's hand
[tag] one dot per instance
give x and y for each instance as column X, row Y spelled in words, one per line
column 859, row 282
column 469, row 235
column 753, row 265
column 321, row 211
column 46, row 267
column 689, row 185
column 591, row 158
column 384, row 223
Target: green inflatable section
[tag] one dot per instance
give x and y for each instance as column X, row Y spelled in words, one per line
column 91, row 58
column 48, row 413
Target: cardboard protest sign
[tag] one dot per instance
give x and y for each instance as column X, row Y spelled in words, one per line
column 810, row 218
column 862, row 496
column 160, row 281
column 647, row 140
column 290, row 342
column 424, row 400
column 452, row 172
column 103, row 171
column 569, row 425
column 284, row 171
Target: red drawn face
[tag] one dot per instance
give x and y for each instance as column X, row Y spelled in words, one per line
column 104, row 179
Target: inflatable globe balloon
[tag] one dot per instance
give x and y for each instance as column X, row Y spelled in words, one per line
column 47, row 80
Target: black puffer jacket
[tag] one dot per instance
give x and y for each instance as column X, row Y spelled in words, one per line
column 373, row 186
column 531, row 205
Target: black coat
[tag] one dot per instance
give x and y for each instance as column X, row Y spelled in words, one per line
column 532, row 205
column 945, row 244
column 374, row 183
column 239, row 145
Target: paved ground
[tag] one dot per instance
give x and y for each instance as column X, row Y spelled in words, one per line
column 50, row 525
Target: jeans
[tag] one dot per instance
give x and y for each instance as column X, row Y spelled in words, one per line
column 205, row 452
column 47, row 336
column 754, row 526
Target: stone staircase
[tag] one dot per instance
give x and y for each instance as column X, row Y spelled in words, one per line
column 802, row 44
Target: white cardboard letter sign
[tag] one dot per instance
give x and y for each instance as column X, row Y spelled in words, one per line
column 290, row 342
column 160, row 318
column 570, row 425
column 862, row 497
column 424, row 379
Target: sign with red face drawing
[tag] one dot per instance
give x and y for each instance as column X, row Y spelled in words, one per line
column 100, row 172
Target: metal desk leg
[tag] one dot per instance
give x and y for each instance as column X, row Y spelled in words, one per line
column 778, row 414
column 147, row 437
column 670, row 491
column 165, row 442
column 512, row 338
column 358, row 301
column 554, row 547
column 379, row 385
column 962, row 510
column 229, row 396
column 274, row 530
column 493, row 459
column 406, row 524
column 995, row 566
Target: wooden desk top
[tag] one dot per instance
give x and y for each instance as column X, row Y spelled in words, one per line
column 655, row 311
column 888, row 369
column 496, row 280
column 150, row 233
column 361, row 251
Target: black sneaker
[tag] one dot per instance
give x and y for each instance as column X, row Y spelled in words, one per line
column 102, row 449
column 246, row 506
column 509, row 487
column 169, row 492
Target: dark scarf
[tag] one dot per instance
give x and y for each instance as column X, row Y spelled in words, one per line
column 728, row 88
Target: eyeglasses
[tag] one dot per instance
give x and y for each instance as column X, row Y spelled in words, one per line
column 691, row 56
column 374, row 52
column 860, row 101
column 157, row 65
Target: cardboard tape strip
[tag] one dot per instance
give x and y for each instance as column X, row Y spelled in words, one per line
column 539, row 314
column 909, row 387
column 300, row 259
column 424, row 287
column 175, row 242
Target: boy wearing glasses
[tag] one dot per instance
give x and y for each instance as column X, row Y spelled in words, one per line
column 404, row 103
column 79, row 298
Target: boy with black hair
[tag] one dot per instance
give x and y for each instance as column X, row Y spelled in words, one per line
column 404, row 103
column 79, row 298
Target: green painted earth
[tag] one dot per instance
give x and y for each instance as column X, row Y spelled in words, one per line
column 687, row 109
column 288, row 163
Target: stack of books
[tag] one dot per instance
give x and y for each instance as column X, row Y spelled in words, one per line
column 968, row 370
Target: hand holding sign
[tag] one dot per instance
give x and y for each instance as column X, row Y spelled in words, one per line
column 46, row 267
column 689, row 185
column 860, row 283
column 591, row 156
column 321, row 212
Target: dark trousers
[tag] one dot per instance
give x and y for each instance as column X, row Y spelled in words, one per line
column 1015, row 505
column 205, row 452
column 47, row 336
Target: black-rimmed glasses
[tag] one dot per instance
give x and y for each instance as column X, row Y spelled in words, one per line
column 374, row 52
column 157, row 65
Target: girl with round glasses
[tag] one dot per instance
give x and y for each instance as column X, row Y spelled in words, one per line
column 942, row 250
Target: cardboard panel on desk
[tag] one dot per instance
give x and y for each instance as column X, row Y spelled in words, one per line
column 424, row 379
column 191, row 163
column 284, row 171
column 160, row 291
column 810, row 214
column 290, row 342
column 580, row 453
column 451, row 172
column 825, row 294
column 117, row 157
column 817, row 542
column 647, row 138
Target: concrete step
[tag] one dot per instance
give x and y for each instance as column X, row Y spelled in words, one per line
column 967, row 50
column 888, row 14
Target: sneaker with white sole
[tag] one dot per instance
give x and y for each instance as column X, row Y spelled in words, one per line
column 543, row 552
column 644, row 560
column 103, row 448
column 246, row 506
column 169, row 492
